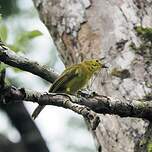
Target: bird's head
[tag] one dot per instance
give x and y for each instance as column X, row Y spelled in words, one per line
column 94, row 64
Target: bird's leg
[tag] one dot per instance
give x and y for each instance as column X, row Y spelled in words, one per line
column 86, row 93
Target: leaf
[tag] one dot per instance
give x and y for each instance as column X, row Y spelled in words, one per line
column 17, row 70
column 14, row 47
column 26, row 36
column 24, row 39
column 0, row 17
column 34, row 33
column 3, row 32
column 2, row 66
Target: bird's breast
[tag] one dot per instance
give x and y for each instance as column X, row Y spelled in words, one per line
column 77, row 83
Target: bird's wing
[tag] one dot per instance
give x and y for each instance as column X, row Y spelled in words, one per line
column 59, row 85
column 68, row 74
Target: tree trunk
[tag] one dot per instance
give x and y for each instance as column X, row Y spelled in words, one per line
column 83, row 29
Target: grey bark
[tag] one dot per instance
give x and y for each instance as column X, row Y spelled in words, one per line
column 9, row 57
column 94, row 28
column 98, row 103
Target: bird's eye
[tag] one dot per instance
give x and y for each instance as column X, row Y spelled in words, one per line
column 97, row 60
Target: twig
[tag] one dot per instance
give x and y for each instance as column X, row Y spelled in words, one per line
column 11, row 58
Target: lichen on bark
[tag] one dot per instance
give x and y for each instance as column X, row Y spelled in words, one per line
column 106, row 28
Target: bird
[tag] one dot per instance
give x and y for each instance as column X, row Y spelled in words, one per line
column 73, row 78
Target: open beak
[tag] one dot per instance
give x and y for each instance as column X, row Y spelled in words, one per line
column 104, row 66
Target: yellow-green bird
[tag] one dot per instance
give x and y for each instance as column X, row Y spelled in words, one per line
column 73, row 79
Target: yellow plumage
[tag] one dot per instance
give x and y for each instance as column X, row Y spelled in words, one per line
column 73, row 79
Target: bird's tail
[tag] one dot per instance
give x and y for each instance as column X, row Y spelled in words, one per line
column 37, row 111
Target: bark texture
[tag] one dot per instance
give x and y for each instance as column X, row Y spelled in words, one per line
column 95, row 28
column 86, row 106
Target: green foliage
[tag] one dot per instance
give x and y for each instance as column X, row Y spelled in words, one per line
column 149, row 146
column 144, row 33
column 8, row 7
column 147, row 97
column 29, row 35
column 148, row 85
column 2, row 66
column 3, row 30
column 23, row 39
column 145, row 47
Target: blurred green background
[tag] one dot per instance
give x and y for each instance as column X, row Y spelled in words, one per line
column 22, row 30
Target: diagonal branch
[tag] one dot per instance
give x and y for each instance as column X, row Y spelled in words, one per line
column 12, row 94
column 97, row 103
column 11, row 58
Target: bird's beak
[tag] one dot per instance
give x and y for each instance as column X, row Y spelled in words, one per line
column 101, row 59
column 104, row 66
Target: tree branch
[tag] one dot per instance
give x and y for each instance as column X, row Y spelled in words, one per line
column 12, row 94
column 30, row 136
column 82, row 105
column 98, row 103
column 11, row 58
